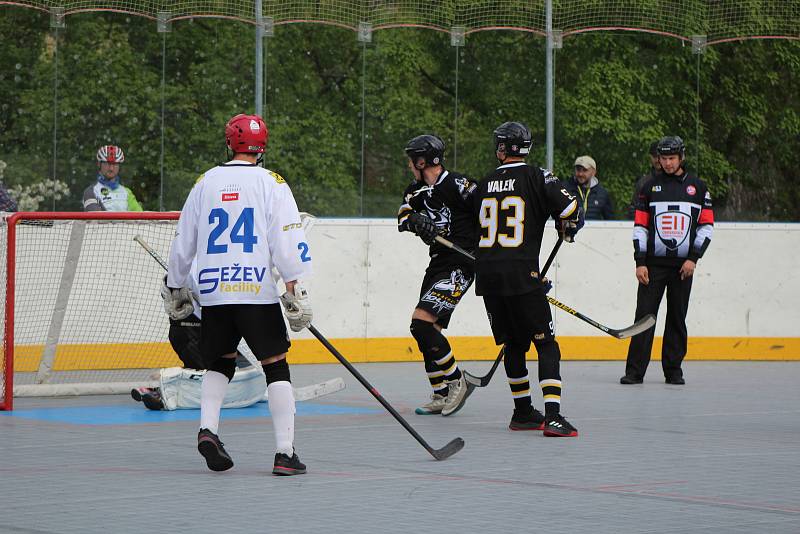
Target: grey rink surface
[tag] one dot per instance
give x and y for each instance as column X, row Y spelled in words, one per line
column 718, row 455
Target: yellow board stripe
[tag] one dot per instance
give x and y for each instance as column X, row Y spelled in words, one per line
column 152, row 355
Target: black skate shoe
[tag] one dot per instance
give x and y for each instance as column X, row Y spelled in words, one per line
column 153, row 400
column 532, row 420
column 138, row 393
column 555, row 426
column 285, row 466
column 212, row 450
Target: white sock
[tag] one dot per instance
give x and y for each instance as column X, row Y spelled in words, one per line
column 212, row 393
column 281, row 406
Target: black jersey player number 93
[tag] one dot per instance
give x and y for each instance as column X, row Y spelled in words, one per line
column 502, row 222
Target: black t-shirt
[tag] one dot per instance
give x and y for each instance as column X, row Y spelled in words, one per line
column 448, row 203
column 513, row 205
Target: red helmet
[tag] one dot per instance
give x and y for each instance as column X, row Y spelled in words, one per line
column 246, row 133
column 110, row 154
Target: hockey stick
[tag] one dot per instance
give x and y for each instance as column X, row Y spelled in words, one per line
column 440, row 454
column 483, row 381
column 638, row 327
column 645, row 323
column 153, row 253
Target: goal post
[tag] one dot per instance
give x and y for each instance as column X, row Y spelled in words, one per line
column 82, row 310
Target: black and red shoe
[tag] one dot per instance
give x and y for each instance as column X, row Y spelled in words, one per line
column 286, row 466
column 530, row 420
column 212, row 450
column 153, row 400
column 138, row 393
column 555, row 426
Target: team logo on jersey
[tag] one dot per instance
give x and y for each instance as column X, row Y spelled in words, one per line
column 672, row 227
column 441, row 217
column 226, row 197
column 656, row 189
column 231, row 279
column 691, row 190
column 278, row 178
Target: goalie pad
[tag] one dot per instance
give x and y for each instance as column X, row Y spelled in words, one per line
column 180, row 388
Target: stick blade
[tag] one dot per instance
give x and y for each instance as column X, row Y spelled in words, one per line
column 645, row 323
column 448, row 450
column 477, row 381
column 321, row 389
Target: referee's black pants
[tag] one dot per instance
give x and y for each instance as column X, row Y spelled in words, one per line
column 648, row 300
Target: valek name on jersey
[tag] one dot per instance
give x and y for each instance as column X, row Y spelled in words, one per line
column 231, row 279
column 500, row 186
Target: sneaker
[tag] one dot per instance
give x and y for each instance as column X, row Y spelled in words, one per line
column 213, row 451
column 558, row 427
column 533, row 420
column 675, row 380
column 627, row 379
column 459, row 391
column 434, row 407
column 153, row 400
column 138, row 393
column 286, row 466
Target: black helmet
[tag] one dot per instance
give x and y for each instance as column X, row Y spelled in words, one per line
column 430, row 147
column 671, row 145
column 514, row 138
column 654, row 148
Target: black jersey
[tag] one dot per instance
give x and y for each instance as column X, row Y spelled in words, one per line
column 513, row 205
column 448, row 203
column 674, row 220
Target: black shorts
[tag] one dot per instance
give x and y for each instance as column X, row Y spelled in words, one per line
column 442, row 290
column 261, row 326
column 520, row 318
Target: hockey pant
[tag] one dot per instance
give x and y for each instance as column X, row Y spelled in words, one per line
column 180, row 388
column 648, row 300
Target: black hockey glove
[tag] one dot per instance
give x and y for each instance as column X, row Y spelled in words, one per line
column 423, row 226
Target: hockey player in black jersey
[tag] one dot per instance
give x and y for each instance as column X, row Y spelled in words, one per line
column 439, row 202
column 513, row 205
column 673, row 225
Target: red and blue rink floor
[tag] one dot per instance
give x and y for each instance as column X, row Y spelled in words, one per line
column 720, row 454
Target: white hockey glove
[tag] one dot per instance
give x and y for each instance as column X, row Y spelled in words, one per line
column 177, row 302
column 297, row 308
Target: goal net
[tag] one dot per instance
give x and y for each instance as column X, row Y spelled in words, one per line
column 82, row 313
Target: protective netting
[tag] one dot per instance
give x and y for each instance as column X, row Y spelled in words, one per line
column 87, row 307
column 718, row 20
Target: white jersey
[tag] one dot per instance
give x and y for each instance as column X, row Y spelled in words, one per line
column 239, row 222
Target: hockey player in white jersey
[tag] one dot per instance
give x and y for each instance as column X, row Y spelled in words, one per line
column 240, row 221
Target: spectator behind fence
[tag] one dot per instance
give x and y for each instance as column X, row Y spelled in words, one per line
column 594, row 198
column 655, row 166
column 6, row 202
column 108, row 194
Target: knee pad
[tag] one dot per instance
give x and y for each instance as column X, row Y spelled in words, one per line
column 430, row 341
column 226, row 366
column 277, row 371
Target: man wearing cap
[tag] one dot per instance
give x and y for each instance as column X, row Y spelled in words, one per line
column 594, row 198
